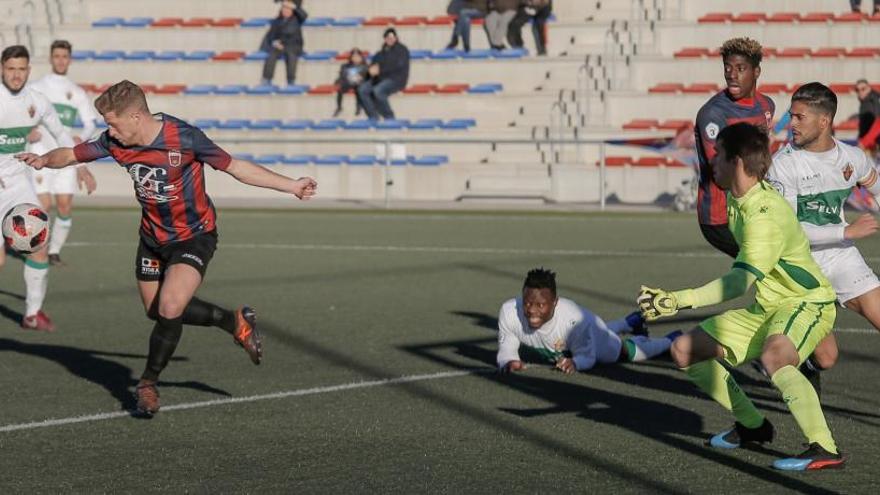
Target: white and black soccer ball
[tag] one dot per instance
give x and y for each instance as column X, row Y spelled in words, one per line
column 26, row 228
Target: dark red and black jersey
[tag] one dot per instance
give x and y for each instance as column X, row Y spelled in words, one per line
column 719, row 112
column 169, row 178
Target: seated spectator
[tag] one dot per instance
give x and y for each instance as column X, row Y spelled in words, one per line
column 501, row 12
column 390, row 73
column 465, row 11
column 351, row 74
column 537, row 11
column 857, row 6
column 869, row 114
column 284, row 38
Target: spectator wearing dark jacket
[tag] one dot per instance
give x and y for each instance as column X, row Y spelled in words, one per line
column 390, row 72
column 501, row 12
column 465, row 10
column 537, row 11
column 869, row 114
column 351, row 75
column 284, row 38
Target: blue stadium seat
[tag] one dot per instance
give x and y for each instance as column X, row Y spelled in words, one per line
column 425, row 124
column 261, row 89
column 298, row 159
column 458, row 124
column 265, row 124
column 358, row 125
column 429, row 160
column 109, row 55
column 327, row 125
column 392, row 124
column 139, row 55
column 234, row 124
column 206, row 123
column 230, row 89
column 200, row 89
column 293, row 89
column 199, row 55
column 320, row 55
column 318, row 21
column 486, row 88
column 348, row 21
column 511, row 53
column 477, row 54
column 244, row 156
column 296, row 124
column 330, row 160
column 270, row 159
column 361, row 160
column 256, row 22
column 446, row 54
column 82, row 54
column 257, row 55
column 136, row 22
column 169, row 55
column 419, row 54
column 108, row 22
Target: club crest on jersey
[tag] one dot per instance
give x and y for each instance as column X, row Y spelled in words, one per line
column 69, row 96
column 847, row 171
column 174, row 158
column 712, row 130
column 32, row 111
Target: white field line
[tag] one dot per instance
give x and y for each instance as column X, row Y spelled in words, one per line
column 238, row 400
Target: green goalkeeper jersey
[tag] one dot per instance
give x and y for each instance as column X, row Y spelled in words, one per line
column 774, row 248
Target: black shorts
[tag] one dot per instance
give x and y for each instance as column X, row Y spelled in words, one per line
column 721, row 238
column 152, row 261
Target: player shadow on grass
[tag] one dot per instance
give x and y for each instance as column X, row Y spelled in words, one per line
column 93, row 366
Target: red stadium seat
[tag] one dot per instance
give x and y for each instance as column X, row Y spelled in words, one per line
column 227, row 22
column 441, row 20
column 323, row 89
column 197, row 22
column 228, row 56
column 676, row 164
column 818, row 17
column 167, row 22
column 713, row 17
column 148, row 88
column 411, row 21
column 784, row 17
column 829, row 52
column 842, row 88
column 666, row 88
column 863, row 52
column 419, row 89
column 341, row 56
column 751, row 17
column 701, row 88
column 769, row 51
column 799, row 52
column 641, row 124
column 170, row 89
column 650, row 161
column 692, row 52
column 616, row 161
column 379, row 21
column 847, row 125
column 452, row 88
column 850, row 17
column 773, row 88
column 674, row 124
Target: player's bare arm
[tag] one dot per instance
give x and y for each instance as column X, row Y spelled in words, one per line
column 511, row 367
column 255, row 175
column 57, row 158
column 86, row 180
column 864, row 226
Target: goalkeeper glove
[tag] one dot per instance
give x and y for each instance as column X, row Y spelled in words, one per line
column 656, row 303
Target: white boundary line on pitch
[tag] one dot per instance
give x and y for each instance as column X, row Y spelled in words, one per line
column 251, row 398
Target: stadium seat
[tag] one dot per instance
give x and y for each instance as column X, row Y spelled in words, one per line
column 426, row 124
column 817, row 17
column 320, row 55
column 109, row 55
column 330, row 160
column 420, row 89
column 298, row 159
column 701, row 88
column 477, row 54
column 167, row 22
column 650, row 161
column 452, row 88
column 139, row 55
column 847, row 125
column 692, row 52
column 327, row 125
column 199, row 55
column 358, row 125
column 323, row 89
column 196, row 22
column 674, row 124
column 148, row 88
column 715, row 17
column 265, row 124
column 343, row 56
column 419, row 54
column 137, row 22
column 169, row 55
column 392, row 124
column 784, row 17
column 429, row 160
column 108, row 22
column 768, row 51
column 616, row 161
column 257, row 55
column 318, row 22
column 228, row 56
column 261, row 89
column 458, row 124
column 863, row 52
column 170, row 89
column 414, row 20
column 256, row 22
column 666, row 88
column 234, row 124
column 850, row 17
column 269, row 159
column 773, row 88
column 379, row 21
column 348, row 21
column 446, row 54
column 200, row 89
column 511, row 53
column 641, row 124
column 230, row 89
column 206, row 123
column 798, row 52
column 243, row 156
column 226, row 22
column 293, row 89
column 441, row 20
column 842, row 88
column 486, row 88
column 82, row 54
column 361, row 160
column 750, row 17
column 829, row 52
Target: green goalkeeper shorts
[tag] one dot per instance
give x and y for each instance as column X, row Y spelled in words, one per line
column 742, row 332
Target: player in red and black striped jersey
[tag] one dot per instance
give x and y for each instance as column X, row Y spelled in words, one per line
column 739, row 102
column 165, row 158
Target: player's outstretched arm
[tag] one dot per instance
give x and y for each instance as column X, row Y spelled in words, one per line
column 658, row 303
column 255, row 175
column 57, row 158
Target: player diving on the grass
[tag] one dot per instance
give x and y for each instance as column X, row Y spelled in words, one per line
column 794, row 307
column 567, row 335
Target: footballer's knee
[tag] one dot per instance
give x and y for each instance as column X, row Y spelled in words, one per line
column 825, row 354
column 778, row 353
column 694, row 347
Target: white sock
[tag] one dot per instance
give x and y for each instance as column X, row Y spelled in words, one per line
column 641, row 348
column 60, row 230
column 36, row 280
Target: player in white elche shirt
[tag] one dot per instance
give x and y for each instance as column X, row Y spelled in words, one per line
column 22, row 109
column 816, row 174
column 566, row 334
column 70, row 102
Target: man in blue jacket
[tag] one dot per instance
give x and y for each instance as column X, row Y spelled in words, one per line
column 390, row 71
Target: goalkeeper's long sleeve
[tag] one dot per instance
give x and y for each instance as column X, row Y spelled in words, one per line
column 730, row 286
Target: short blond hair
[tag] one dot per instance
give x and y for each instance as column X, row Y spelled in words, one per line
column 122, row 96
column 746, row 47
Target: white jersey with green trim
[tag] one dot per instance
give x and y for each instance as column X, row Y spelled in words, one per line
column 70, row 102
column 817, row 186
column 19, row 114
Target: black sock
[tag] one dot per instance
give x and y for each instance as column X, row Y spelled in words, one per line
column 163, row 341
column 201, row 313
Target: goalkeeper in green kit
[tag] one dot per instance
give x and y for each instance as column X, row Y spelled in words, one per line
column 793, row 311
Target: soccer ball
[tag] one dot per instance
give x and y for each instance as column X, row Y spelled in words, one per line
column 26, row 228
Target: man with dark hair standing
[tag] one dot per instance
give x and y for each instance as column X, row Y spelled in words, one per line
column 284, row 39
column 793, row 309
column 390, row 73
column 165, row 158
column 869, row 114
column 739, row 102
column 565, row 334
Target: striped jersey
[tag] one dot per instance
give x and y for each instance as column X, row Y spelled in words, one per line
column 168, row 177
column 716, row 114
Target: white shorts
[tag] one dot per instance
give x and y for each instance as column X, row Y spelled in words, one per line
column 847, row 271
column 55, row 181
column 15, row 190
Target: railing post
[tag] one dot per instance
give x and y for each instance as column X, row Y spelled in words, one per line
column 602, row 176
column 387, row 174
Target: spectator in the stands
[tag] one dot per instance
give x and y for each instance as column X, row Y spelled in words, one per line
column 869, row 114
column 501, row 12
column 389, row 70
column 465, row 11
column 284, row 39
column 351, row 75
column 857, row 6
column 536, row 11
